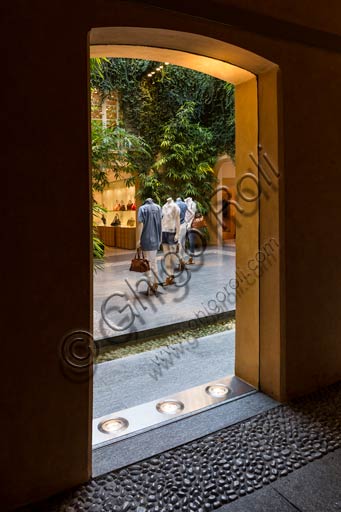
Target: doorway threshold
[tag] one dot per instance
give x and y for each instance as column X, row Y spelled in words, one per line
column 130, row 421
column 136, row 445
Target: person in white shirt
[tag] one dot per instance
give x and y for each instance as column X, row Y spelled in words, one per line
column 189, row 217
column 183, row 230
column 170, row 236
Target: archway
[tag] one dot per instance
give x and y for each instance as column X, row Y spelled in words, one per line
column 256, row 209
column 256, row 81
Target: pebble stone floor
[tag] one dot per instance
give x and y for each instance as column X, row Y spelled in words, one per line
column 221, row 468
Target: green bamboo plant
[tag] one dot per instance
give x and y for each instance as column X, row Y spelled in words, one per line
column 117, row 150
column 98, row 246
column 186, row 159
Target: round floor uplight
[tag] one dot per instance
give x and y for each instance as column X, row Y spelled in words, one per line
column 114, row 425
column 217, row 390
column 170, row 407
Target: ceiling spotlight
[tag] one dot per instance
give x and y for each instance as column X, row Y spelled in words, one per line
column 166, row 63
column 170, row 407
column 149, row 74
column 217, row 390
column 152, row 73
column 113, row 426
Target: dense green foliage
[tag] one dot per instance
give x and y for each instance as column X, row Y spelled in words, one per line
column 120, row 151
column 97, row 244
column 187, row 155
column 182, row 121
column 116, row 149
column 150, row 102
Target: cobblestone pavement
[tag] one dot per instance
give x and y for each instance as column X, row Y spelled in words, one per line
column 221, row 468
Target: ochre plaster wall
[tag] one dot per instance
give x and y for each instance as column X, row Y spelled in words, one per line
column 271, row 239
column 225, row 171
column 247, row 286
column 46, row 416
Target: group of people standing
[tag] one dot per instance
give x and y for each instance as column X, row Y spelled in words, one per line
column 167, row 225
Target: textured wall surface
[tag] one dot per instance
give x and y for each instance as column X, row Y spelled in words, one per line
column 47, row 283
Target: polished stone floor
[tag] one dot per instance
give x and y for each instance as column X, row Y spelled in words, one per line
column 144, row 377
column 200, row 291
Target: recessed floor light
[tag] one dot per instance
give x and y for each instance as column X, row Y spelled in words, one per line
column 217, row 390
column 112, row 426
column 120, row 424
column 170, row 407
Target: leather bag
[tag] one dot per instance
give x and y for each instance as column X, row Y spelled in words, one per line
column 199, row 222
column 139, row 263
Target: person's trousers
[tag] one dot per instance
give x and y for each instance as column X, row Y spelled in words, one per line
column 182, row 241
column 152, row 274
column 191, row 239
column 170, row 258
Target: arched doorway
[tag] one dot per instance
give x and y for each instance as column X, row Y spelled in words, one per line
column 257, row 122
column 256, row 102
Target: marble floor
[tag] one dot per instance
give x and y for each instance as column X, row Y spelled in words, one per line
column 121, row 305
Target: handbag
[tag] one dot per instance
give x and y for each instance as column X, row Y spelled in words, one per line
column 139, row 263
column 199, row 222
column 116, row 221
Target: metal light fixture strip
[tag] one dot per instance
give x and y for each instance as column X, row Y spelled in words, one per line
column 172, row 408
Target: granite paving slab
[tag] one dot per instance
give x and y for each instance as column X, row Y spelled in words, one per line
column 317, row 487
column 157, row 373
column 265, row 500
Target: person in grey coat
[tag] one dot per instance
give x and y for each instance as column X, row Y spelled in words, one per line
column 149, row 216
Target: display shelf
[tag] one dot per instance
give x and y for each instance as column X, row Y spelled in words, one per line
column 121, row 211
column 123, row 237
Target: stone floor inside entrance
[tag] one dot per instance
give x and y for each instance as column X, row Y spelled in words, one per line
column 150, row 375
column 201, row 290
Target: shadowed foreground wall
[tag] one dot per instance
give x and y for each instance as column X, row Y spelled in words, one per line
column 46, row 226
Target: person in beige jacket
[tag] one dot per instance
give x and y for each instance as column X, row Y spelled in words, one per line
column 170, row 235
